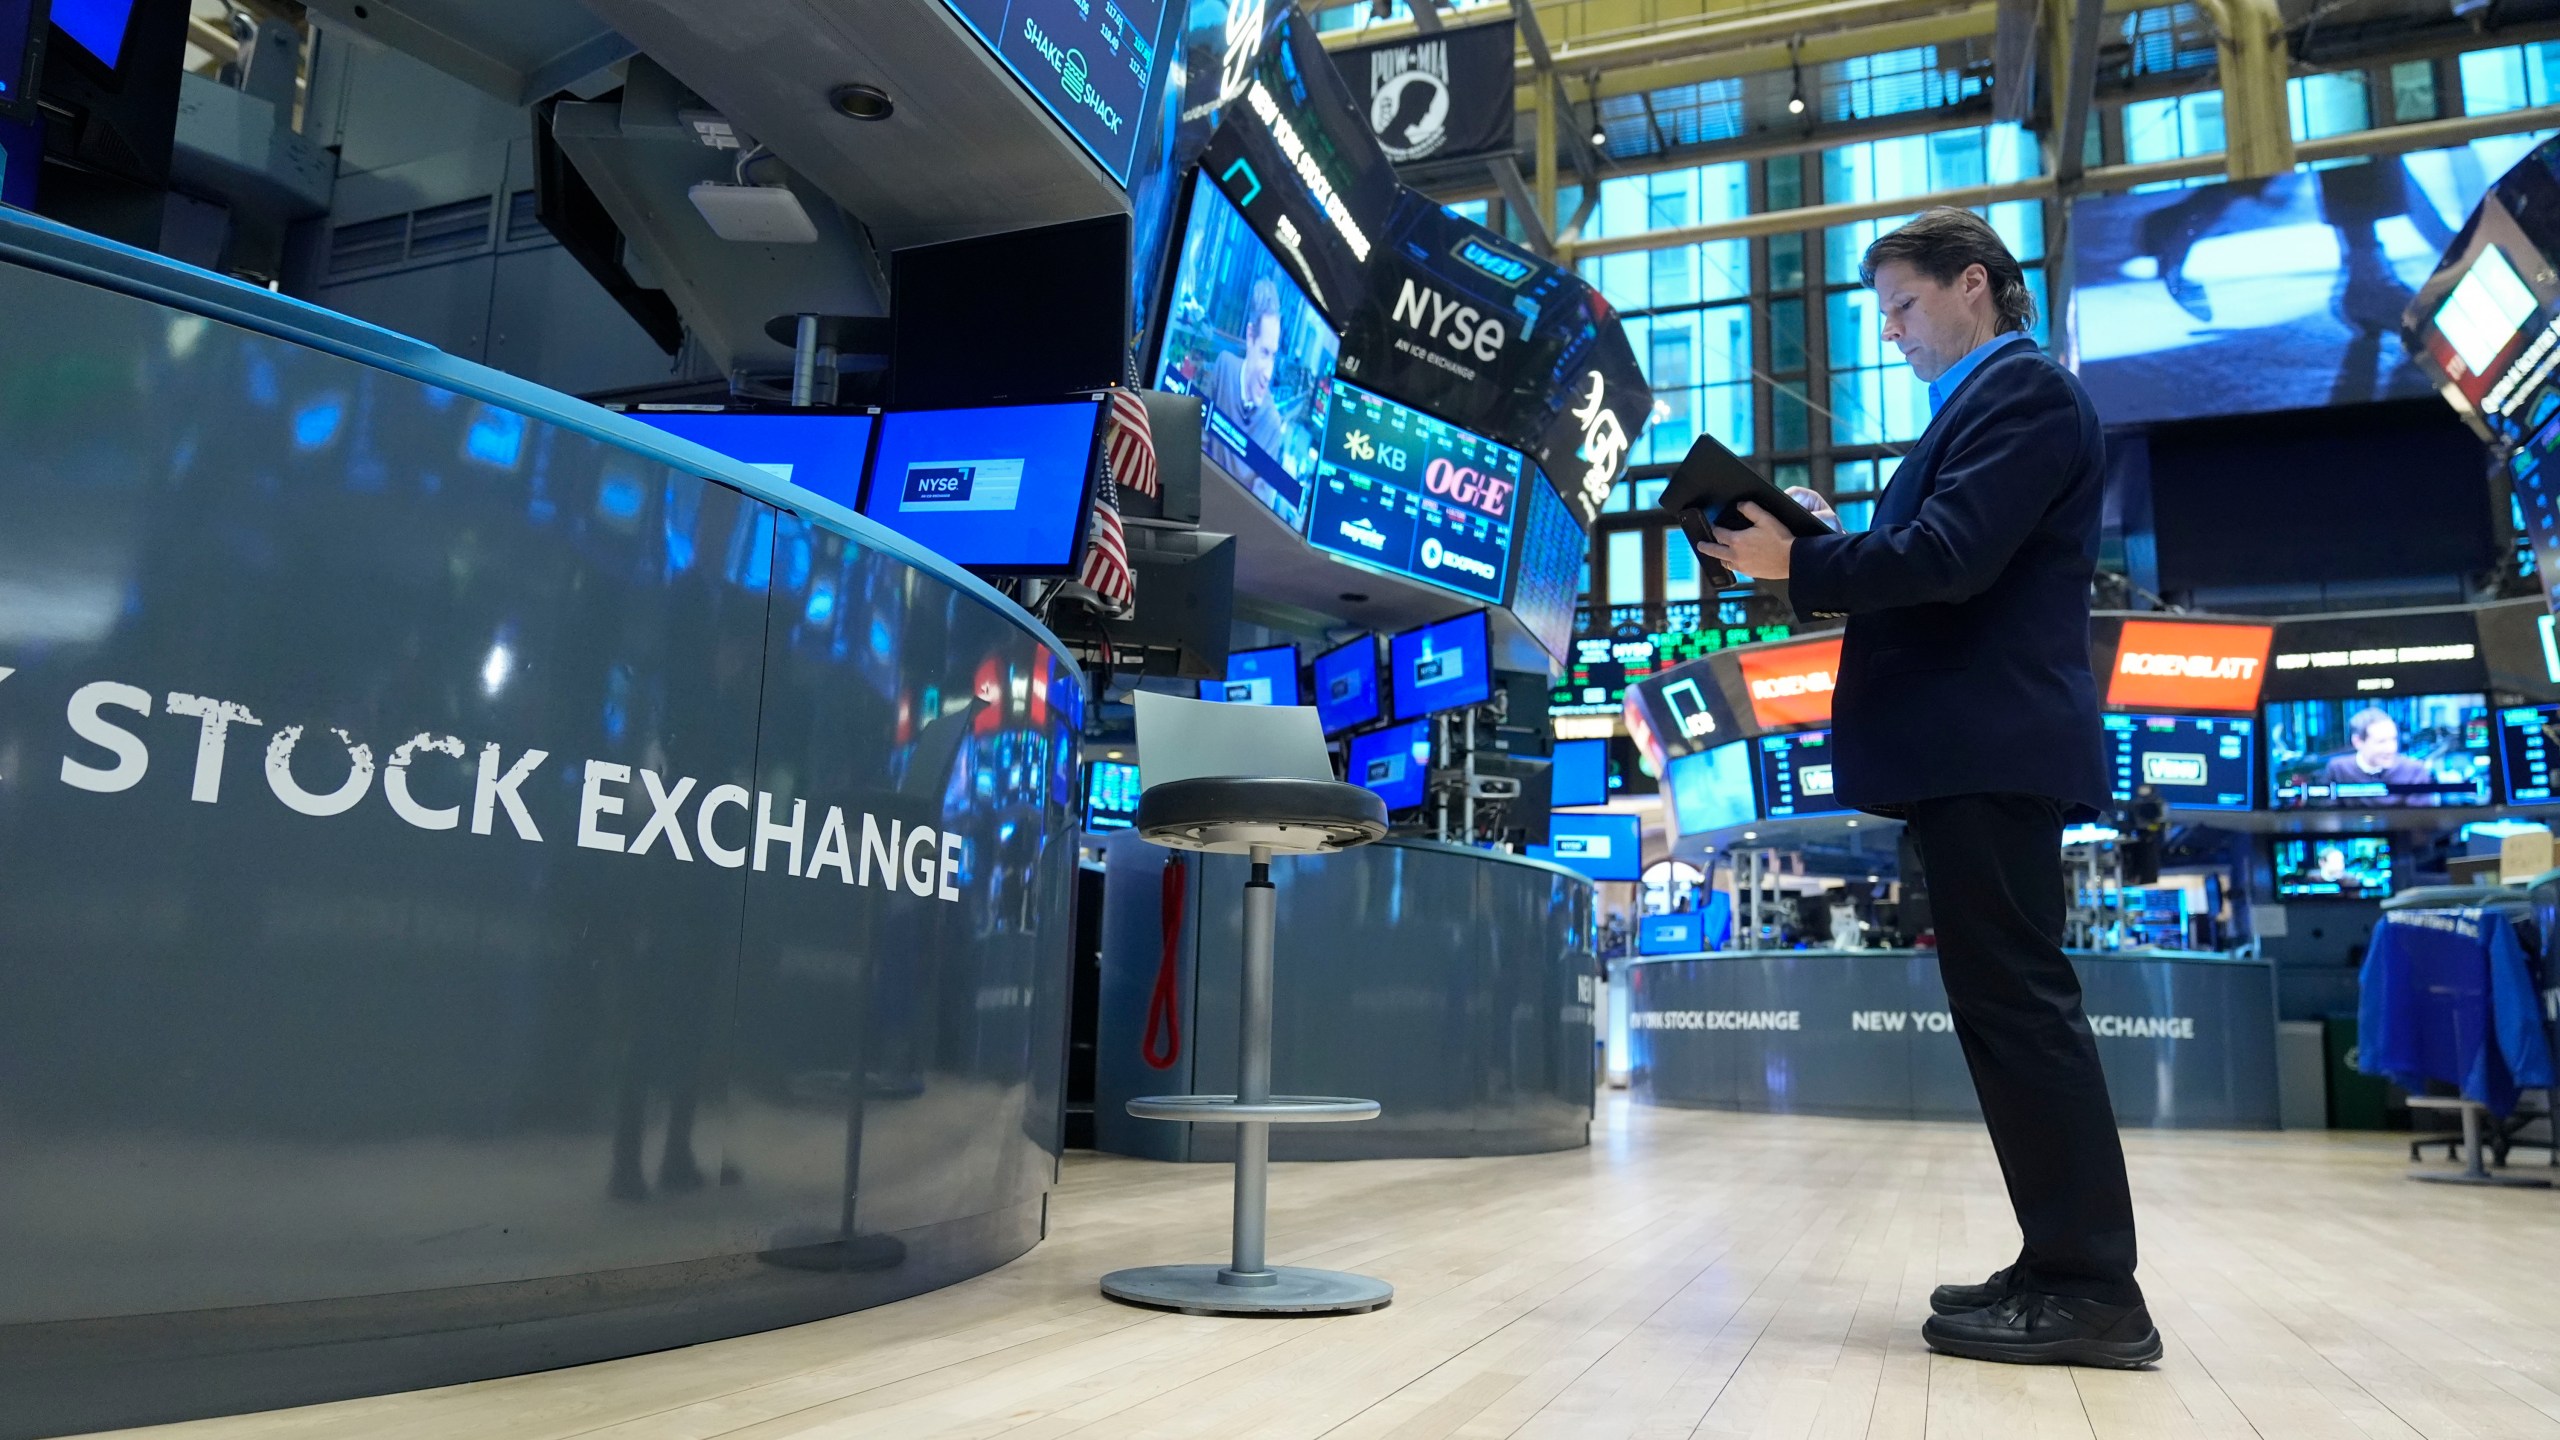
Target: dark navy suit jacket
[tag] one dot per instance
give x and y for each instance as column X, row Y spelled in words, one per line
column 1965, row 667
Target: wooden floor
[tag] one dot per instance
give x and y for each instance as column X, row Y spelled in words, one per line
column 1691, row 1274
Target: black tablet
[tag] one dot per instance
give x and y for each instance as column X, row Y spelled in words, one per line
column 1711, row 485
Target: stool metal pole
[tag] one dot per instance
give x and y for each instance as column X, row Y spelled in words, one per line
column 1253, row 1079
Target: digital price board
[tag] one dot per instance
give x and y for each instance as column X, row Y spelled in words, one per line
column 1601, row 667
column 1402, row 492
column 2205, row 762
column 2528, row 738
column 1795, row 775
column 1547, row 573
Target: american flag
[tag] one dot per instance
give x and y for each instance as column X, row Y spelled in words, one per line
column 1132, row 443
column 1128, row 450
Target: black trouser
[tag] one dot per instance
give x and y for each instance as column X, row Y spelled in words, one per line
column 1994, row 870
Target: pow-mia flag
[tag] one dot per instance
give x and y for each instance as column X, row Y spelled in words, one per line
column 1442, row 96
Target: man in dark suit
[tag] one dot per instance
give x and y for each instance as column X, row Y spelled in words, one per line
column 1965, row 707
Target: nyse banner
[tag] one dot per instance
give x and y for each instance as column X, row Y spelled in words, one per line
column 1436, row 97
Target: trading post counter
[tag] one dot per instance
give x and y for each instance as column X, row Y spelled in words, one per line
column 489, row 886
column 1453, row 986
column 2188, row 1039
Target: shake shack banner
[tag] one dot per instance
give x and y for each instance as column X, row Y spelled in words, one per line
column 1434, row 310
column 1436, row 97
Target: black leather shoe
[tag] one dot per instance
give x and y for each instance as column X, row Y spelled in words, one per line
column 1957, row 1299
column 2031, row 1329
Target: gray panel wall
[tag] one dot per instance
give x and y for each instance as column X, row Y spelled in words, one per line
column 1450, row 985
column 2186, row 1044
column 368, row 1046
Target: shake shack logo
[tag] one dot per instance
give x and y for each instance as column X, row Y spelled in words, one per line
column 1409, row 99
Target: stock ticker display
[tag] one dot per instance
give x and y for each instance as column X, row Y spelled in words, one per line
column 1601, row 667
column 1403, row 492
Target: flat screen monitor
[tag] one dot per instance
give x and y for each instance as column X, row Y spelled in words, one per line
column 1711, row 789
column 1346, row 681
column 1795, row 775
column 1442, row 666
column 1002, row 488
column 22, row 34
column 1257, row 677
column 1242, row 337
column 2203, row 762
column 1546, row 573
column 2533, row 488
column 1110, row 796
column 1580, row 774
column 1037, row 314
column 2342, row 866
column 2379, row 751
column 1395, row 762
column 1602, row 844
column 96, row 26
column 2528, row 742
column 1402, row 492
column 1682, row 933
column 820, row 452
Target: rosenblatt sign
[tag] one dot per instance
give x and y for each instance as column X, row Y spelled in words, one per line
column 1791, row 684
column 2178, row 665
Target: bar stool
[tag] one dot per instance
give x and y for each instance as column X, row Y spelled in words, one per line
column 1257, row 815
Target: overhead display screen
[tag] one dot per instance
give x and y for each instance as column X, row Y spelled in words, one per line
column 820, row 453
column 1394, row 762
column 1795, row 775
column 1257, row 677
column 1402, row 492
column 1096, row 65
column 1791, row 684
column 1442, row 666
column 1580, row 774
column 1003, row 488
column 1110, row 796
column 2177, row 665
column 1602, row 844
column 2284, row 294
column 2414, row 652
column 2528, row 740
column 2198, row 761
column 1711, row 790
column 1244, row 339
column 2363, row 753
column 2346, row 866
column 1346, row 680
column 1546, row 571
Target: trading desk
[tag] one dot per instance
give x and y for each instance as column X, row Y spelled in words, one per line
column 489, row 885
column 2188, row 1039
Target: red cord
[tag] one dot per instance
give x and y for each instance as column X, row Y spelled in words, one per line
column 1163, row 1043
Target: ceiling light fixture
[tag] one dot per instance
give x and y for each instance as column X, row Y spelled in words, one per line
column 861, row 102
column 1795, row 69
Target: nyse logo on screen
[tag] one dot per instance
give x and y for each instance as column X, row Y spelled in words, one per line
column 935, row 486
column 1440, row 668
column 1814, row 780
column 1461, row 327
column 2163, row 768
column 1581, row 847
column 1384, row 770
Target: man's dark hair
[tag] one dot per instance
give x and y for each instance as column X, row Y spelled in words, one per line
column 1941, row 244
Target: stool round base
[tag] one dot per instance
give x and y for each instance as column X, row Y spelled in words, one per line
column 1194, row 1290
column 2460, row 1177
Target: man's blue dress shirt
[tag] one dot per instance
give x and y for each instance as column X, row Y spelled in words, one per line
column 1945, row 385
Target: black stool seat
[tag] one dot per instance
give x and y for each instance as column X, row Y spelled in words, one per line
column 1230, row 814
